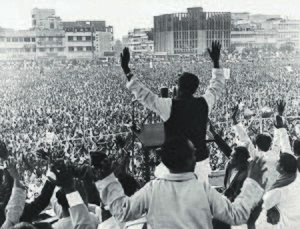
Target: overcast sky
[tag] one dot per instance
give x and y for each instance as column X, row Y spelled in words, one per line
column 125, row 15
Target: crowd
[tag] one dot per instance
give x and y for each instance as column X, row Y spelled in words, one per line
column 52, row 118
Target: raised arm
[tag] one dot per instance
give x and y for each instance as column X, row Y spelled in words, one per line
column 242, row 133
column 217, row 83
column 123, row 208
column 161, row 106
column 16, row 202
column 238, row 212
column 221, row 143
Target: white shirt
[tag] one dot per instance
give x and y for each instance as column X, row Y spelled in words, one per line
column 178, row 201
column 287, row 200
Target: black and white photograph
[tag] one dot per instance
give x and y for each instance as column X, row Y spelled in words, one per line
column 149, row 114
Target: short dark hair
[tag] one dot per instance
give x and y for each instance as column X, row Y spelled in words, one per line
column 288, row 163
column 176, row 151
column 188, row 83
column 297, row 147
column 263, row 142
column 242, row 154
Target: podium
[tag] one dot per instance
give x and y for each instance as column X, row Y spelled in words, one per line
column 151, row 135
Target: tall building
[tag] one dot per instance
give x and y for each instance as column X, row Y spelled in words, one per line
column 139, row 41
column 191, row 32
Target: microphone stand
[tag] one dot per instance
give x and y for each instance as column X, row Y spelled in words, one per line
column 133, row 135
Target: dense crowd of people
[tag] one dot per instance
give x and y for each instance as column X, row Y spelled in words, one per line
column 54, row 114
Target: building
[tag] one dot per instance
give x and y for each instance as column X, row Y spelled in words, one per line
column 17, row 45
column 139, row 41
column 104, row 42
column 265, row 30
column 45, row 19
column 191, row 32
column 49, row 37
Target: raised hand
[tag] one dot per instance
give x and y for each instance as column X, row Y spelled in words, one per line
column 257, row 170
column 215, row 53
column 235, row 111
column 104, row 170
column 280, row 107
column 124, row 59
column 11, row 166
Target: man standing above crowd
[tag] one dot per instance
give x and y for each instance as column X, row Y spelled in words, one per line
column 185, row 115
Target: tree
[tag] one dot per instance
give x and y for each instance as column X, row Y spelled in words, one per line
column 287, row 47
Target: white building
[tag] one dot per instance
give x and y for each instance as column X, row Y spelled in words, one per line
column 139, row 41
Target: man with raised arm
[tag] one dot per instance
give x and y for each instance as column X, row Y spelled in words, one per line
column 185, row 115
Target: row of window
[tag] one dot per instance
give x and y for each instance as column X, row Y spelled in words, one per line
column 17, row 39
column 81, row 49
column 30, row 50
column 80, row 38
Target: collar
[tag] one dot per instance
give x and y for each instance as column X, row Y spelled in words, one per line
column 178, row 176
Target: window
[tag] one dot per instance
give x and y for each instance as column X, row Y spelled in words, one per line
column 51, row 49
column 1, row 39
column 33, row 39
column 50, row 38
column 42, row 49
column 34, row 50
column 27, row 39
column 14, row 39
column 70, row 38
column 21, row 39
column 71, row 49
column 89, row 48
column 51, row 25
column 79, row 49
column 60, row 49
column 88, row 38
column 27, row 49
column 8, row 39
column 79, row 38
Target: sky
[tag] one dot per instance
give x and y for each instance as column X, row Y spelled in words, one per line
column 125, row 15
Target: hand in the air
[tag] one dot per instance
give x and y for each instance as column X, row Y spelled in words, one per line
column 235, row 111
column 11, row 166
column 257, row 170
column 64, row 176
column 125, row 58
column 280, row 107
column 104, row 170
column 215, row 53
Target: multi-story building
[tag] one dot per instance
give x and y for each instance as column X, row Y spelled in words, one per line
column 265, row 30
column 49, row 37
column 17, row 44
column 139, row 41
column 87, row 39
column 191, row 32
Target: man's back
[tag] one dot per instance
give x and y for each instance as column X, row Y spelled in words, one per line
column 179, row 201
